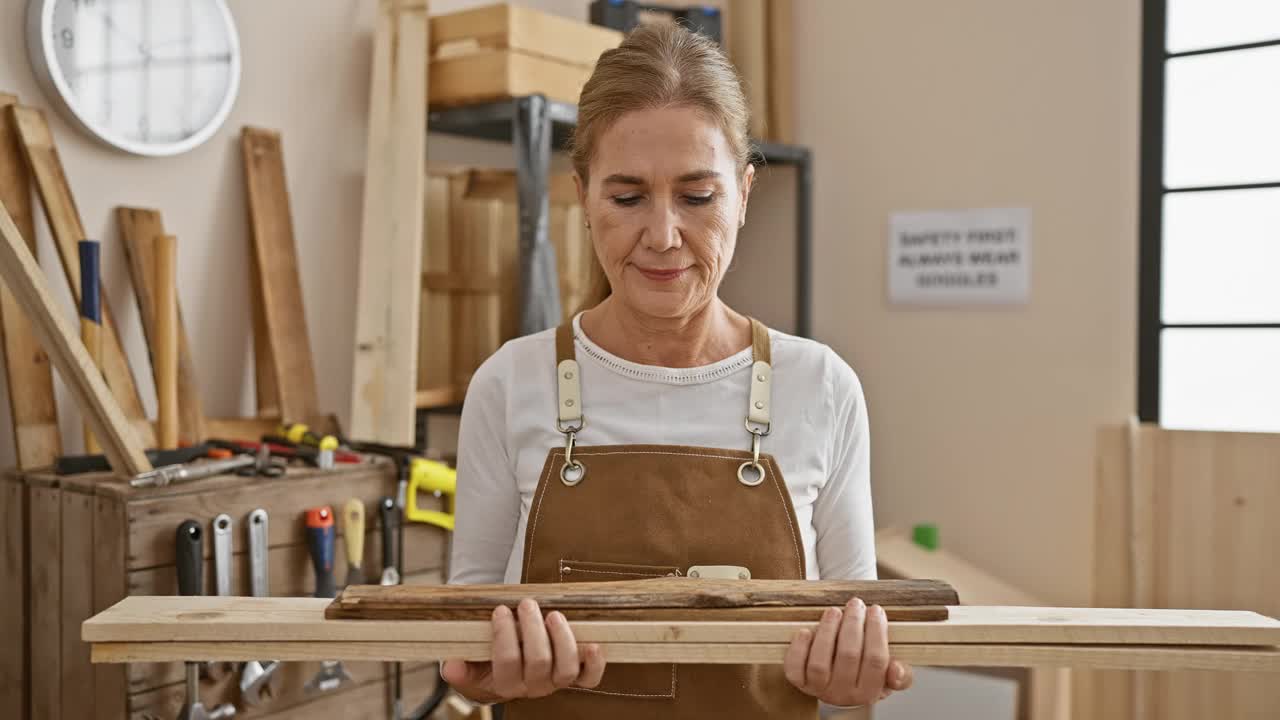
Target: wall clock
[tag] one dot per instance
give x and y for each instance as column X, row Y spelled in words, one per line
column 151, row 77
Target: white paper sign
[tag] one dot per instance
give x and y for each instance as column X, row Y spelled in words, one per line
column 961, row 257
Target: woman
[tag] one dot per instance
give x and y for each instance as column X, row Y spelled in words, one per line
column 661, row 430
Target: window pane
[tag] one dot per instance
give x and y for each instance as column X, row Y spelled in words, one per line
column 1199, row 24
column 1220, row 379
column 1221, row 255
column 1222, row 118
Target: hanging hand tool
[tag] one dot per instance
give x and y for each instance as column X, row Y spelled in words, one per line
column 256, row 675
column 302, row 435
column 353, row 535
column 189, row 553
column 77, row 464
column 438, row 479
column 222, row 528
column 171, row 474
column 390, row 515
column 320, row 533
column 91, row 319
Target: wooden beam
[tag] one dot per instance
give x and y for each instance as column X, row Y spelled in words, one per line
column 277, row 276
column 165, row 340
column 211, row 618
column 139, row 227
column 31, row 401
column 1146, row 657
column 26, row 282
column 64, row 221
column 389, row 292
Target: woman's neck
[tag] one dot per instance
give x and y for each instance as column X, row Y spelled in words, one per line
column 703, row 338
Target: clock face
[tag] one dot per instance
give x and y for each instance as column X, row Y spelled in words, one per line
column 153, row 77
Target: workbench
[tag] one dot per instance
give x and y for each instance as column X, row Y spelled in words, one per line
column 165, row 629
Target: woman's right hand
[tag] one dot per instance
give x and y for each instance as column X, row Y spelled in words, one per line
column 532, row 658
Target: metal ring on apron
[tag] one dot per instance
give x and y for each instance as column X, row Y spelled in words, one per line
column 754, row 462
column 570, row 439
column 742, row 478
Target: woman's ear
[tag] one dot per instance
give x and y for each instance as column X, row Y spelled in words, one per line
column 581, row 186
column 748, row 177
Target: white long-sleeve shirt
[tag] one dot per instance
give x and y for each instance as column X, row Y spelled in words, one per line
column 819, row 438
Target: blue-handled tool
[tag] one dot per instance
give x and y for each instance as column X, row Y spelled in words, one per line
column 91, row 318
column 320, row 532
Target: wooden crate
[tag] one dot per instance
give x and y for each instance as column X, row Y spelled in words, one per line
column 471, row 281
column 501, row 51
column 91, row 539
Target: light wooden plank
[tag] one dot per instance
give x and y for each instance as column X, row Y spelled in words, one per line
column 109, row 554
column 1215, row 498
column 531, row 31
column 384, row 368
column 1147, row 657
column 498, row 74
column 165, row 618
column 139, row 227
column 241, row 428
column 277, row 275
column 782, row 78
column 749, row 49
column 45, row 557
column 15, row 617
column 31, row 400
column 64, row 221
column 77, row 569
column 26, row 281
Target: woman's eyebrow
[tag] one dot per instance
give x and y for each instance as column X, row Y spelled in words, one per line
column 619, row 179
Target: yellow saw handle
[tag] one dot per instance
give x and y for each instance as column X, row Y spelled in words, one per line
column 439, row 480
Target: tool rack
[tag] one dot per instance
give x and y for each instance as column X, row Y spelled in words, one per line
column 87, row 541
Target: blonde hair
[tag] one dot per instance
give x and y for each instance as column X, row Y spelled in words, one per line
column 658, row 65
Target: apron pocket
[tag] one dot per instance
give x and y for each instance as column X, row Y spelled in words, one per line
column 654, row 682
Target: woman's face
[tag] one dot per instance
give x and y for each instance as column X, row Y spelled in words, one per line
column 664, row 201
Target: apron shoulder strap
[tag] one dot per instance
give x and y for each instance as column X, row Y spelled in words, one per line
column 761, row 378
column 568, row 382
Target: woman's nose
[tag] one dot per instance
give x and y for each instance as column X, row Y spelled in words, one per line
column 662, row 231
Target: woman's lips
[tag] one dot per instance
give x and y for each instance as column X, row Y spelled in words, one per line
column 660, row 275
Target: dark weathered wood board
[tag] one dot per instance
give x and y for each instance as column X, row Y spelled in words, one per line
column 15, row 671
column 732, row 599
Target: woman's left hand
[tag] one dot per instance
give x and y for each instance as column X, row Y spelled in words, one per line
column 846, row 660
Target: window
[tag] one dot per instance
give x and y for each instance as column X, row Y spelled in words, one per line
column 1209, row 310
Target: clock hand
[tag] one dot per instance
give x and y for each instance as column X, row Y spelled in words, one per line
column 116, row 29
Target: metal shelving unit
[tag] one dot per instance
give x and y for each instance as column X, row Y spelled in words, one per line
column 536, row 127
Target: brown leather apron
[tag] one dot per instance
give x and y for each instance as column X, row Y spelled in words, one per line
column 622, row 512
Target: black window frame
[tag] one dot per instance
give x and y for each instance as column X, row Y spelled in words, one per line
column 1152, row 192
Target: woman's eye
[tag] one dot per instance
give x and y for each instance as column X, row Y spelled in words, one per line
column 699, row 199
column 626, row 200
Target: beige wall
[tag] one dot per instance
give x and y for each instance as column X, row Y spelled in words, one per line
column 983, row 420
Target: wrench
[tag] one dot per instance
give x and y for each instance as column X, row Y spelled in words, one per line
column 172, row 474
column 256, row 675
column 221, row 582
column 189, row 552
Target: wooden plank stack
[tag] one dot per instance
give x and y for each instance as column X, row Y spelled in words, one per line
column 470, row 295
column 506, row 50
